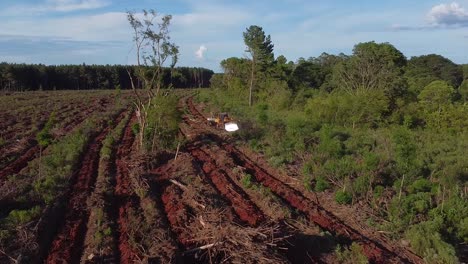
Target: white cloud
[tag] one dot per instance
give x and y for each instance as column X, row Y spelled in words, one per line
column 72, row 5
column 201, row 52
column 448, row 15
column 112, row 26
column 442, row 16
column 398, row 27
column 55, row 6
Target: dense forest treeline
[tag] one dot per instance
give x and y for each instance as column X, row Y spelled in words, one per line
column 27, row 77
column 373, row 127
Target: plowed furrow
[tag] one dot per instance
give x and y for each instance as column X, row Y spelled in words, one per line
column 127, row 253
column 11, row 134
column 124, row 197
column 67, row 244
column 33, row 151
column 104, row 250
column 244, row 208
column 17, row 165
column 40, row 119
column 177, row 214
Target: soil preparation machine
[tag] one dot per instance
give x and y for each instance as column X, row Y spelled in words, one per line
column 222, row 120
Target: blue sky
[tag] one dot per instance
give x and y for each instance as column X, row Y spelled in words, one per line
column 208, row 31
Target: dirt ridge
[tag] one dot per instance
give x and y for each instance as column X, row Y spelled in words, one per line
column 67, row 244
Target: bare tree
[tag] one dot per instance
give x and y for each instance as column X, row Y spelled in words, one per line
column 153, row 49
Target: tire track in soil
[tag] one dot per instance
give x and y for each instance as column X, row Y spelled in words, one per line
column 177, row 214
column 374, row 250
column 33, row 151
column 123, row 194
column 244, row 208
column 67, row 244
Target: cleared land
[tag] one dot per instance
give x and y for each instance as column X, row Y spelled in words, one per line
column 215, row 202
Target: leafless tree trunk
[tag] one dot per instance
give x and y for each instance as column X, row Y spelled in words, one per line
column 252, row 77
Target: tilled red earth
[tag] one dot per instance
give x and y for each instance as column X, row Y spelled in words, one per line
column 245, row 209
column 177, row 214
column 124, row 197
column 196, row 191
column 68, row 242
column 31, row 151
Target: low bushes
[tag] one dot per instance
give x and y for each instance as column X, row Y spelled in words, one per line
column 404, row 157
column 163, row 123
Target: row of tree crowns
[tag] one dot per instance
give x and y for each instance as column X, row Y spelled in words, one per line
column 32, row 77
column 372, row 66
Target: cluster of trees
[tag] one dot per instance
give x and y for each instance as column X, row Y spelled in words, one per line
column 25, row 77
column 372, row 126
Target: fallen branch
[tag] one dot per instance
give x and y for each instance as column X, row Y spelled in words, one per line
column 201, row 248
column 12, row 259
column 202, row 222
column 384, row 232
column 177, row 152
column 183, row 187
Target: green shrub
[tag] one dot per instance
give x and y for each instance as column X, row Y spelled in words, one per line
column 352, row 255
column 307, row 182
column 60, row 162
column 462, row 232
column 427, row 242
column 378, row 191
column 321, row 184
column 108, row 231
column 405, row 149
column 44, row 138
column 19, row 217
column 454, row 213
column 278, row 161
column 404, row 212
column 163, row 123
column 106, row 150
column 300, row 130
column 308, row 168
column 135, row 129
column 339, row 168
column 343, row 197
column 98, row 237
column 371, row 161
column 420, row 185
column 246, row 181
column 48, row 188
column 361, row 185
column 262, row 114
column 329, row 145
